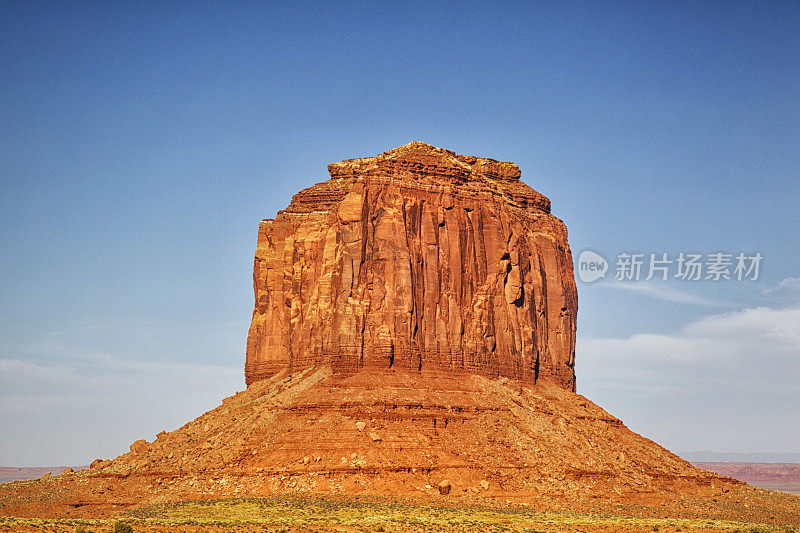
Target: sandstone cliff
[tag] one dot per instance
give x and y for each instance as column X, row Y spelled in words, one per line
column 416, row 259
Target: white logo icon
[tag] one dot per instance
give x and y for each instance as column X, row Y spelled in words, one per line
column 591, row 266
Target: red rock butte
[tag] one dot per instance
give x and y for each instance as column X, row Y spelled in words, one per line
column 431, row 299
column 417, row 259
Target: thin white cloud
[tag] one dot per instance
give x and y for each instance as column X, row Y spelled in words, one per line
column 777, row 328
column 741, row 335
column 95, row 405
column 105, row 374
column 87, row 390
column 785, row 286
column 724, row 380
column 667, row 293
column 162, row 342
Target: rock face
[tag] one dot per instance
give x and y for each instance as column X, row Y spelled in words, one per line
column 416, row 259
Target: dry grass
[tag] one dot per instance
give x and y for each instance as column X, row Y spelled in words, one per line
column 307, row 513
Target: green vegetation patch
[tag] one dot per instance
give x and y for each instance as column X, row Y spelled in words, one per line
column 312, row 513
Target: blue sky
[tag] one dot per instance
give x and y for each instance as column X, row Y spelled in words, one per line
column 143, row 142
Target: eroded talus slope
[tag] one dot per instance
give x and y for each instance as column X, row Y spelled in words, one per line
column 389, row 432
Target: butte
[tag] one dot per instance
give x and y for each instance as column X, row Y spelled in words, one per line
column 413, row 334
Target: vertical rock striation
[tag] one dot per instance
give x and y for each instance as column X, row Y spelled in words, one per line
column 416, row 259
column 412, row 285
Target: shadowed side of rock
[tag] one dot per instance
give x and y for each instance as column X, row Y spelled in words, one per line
column 416, row 259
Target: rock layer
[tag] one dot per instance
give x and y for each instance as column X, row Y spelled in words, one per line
column 416, row 259
column 379, row 433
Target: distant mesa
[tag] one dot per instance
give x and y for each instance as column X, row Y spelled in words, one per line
column 416, row 259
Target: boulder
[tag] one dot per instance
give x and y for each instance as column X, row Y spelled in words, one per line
column 140, row 446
